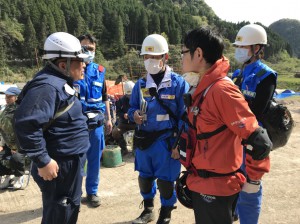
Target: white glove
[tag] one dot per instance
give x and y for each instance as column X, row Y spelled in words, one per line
column 251, row 187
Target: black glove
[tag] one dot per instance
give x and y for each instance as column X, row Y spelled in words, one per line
column 258, row 145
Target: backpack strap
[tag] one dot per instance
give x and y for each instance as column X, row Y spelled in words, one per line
column 206, row 135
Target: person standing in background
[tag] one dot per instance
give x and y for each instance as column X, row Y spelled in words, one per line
column 257, row 82
column 93, row 96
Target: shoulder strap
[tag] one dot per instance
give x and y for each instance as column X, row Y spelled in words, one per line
column 206, row 135
column 154, row 93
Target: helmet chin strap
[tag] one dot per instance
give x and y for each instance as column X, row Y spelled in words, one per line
column 64, row 72
column 164, row 62
column 253, row 54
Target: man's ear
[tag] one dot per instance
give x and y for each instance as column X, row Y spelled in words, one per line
column 62, row 65
column 198, row 53
column 166, row 56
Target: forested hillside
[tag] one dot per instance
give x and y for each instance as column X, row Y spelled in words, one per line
column 289, row 29
column 119, row 26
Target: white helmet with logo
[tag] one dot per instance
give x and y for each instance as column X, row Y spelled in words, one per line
column 62, row 45
column 250, row 35
column 128, row 86
column 154, row 44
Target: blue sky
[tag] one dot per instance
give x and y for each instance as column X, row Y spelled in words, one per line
column 263, row 11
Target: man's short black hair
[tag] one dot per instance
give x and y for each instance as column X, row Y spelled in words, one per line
column 208, row 40
column 87, row 36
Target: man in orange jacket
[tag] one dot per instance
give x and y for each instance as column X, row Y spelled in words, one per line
column 217, row 108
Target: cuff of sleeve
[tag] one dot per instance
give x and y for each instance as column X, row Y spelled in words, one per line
column 42, row 160
column 255, row 182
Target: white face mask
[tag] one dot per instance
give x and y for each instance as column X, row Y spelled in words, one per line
column 153, row 66
column 192, row 78
column 241, row 55
column 91, row 56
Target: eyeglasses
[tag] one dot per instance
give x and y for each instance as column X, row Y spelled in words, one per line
column 183, row 52
column 78, row 59
column 73, row 59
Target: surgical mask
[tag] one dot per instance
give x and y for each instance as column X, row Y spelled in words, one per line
column 91, row 56
column 192, row 78
column 241, row 55
column 153, row 66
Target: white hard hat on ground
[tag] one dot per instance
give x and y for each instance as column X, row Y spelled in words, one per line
column 251, row 34
column 154, row 44
column 62, row 45
column 128, row 86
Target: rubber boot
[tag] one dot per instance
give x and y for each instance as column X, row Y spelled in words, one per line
column 165, row 214
column 147, row 215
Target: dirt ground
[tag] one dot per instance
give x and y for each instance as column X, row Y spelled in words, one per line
column 121, row 199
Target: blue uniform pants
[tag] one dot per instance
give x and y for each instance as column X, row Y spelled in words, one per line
column 94, row 154
column 61, row 196
column 249, row 205
column 156, row 162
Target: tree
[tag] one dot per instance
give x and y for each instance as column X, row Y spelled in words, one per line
column 30, row 44
column 2, row 52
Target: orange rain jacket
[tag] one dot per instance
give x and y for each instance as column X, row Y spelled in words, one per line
column 223, row 152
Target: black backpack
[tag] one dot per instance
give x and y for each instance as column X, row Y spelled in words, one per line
column 277, row 119
column 279, row 123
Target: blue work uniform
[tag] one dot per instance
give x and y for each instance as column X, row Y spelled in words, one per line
column 64, row 139
column 249, row 205
column 92, row 91
column 155, row 161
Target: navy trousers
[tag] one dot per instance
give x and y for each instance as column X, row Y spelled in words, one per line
column 61, row 196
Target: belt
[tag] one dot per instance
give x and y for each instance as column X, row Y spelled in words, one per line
column 207, row 174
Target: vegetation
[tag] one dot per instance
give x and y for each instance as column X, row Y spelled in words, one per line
column 120, row 27
column 289, row 30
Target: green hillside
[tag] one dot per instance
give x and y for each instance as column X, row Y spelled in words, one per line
column 289, row 30
column 119, row 26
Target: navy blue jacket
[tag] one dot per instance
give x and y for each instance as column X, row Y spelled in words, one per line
column 67, row 135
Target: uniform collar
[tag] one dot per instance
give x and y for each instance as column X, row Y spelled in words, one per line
column 165, row 82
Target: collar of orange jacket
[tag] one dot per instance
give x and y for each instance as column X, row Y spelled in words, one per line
column 216, row 71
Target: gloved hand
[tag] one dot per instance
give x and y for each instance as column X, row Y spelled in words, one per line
column 251, row 186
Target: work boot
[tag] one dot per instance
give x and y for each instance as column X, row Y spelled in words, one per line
column 165, row 214
column 92, row 200
column 147, row 215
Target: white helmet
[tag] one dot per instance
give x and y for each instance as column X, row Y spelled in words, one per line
column 62, row 45
column 250, row 35
column 154, row 44
column 128, row 86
